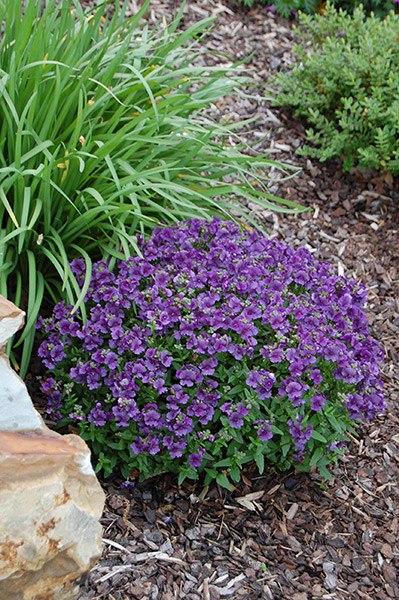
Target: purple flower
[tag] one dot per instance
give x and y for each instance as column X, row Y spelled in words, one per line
column 159, row 385
column 235, row 420
column 189, row 375
column 152, row 417
column 299, row 436
column 127, row 485
column 254, row 379
column 182, row 426
column 295, row 389
column 251, row 313
column 153, row 445
column 317, row 402
column 264, row 431
column 48, row 385
column 207, row 367
column 262, row 381
column 165, row 358
column 111, row 360
column 276, row 355
column 125, row 411
column 97, row 416
column 195, row 460
column 202, row 411
column 161, row 279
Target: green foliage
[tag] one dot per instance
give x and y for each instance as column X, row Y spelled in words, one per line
column 101, row 138
column 379, row 7
column 287, row 8
column 345, row 84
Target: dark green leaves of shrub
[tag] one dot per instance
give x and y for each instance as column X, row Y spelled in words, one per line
column 345, row 84
column 287, row 8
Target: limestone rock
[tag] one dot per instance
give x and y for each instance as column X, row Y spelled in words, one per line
column 11, row 319
column 16, row 409
column 50, row 499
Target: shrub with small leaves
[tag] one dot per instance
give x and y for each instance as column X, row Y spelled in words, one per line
column 379, row 7
column 215, row 348
column 345, row 84
column 288, row 8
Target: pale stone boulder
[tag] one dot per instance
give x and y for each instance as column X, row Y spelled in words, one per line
column 50, row 499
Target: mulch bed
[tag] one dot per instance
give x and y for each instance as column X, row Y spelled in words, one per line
column 278, row 536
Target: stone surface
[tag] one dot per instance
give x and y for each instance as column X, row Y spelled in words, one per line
column 11, row 319
column 49, row 530
column 16, row 409
column 50, row 499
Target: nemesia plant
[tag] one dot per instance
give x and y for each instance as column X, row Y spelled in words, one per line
column 216, row 347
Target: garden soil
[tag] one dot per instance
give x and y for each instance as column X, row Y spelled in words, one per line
column 284, row 536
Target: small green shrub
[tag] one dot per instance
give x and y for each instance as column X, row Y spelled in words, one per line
column 216, row 348
column 345, row 84
column 379, row 7
column 101, row 138
column 287, row 8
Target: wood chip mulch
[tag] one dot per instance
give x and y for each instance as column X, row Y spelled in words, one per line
column 280, row 536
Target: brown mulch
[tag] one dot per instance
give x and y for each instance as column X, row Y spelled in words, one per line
column 278, row 536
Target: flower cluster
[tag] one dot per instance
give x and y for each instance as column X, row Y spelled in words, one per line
column 216, row 347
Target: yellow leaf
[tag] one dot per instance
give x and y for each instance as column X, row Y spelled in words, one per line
column 66, row 166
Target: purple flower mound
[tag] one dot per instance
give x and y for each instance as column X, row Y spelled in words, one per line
column 216, row 347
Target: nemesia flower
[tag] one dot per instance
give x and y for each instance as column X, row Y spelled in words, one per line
column 195, row 460
column 317, row 402
column 264, row 431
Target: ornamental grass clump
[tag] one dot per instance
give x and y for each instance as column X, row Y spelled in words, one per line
column 217, row 347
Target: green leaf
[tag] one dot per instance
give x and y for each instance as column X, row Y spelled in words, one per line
column 277, row 430
column 325, row 472
column 334, row 422
column 182, row 477
column 226, row 462
column 317, row 454
column 285, row 448
column 260, row 462
column 224, row 482
column 317, row 436
column 235, row 473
